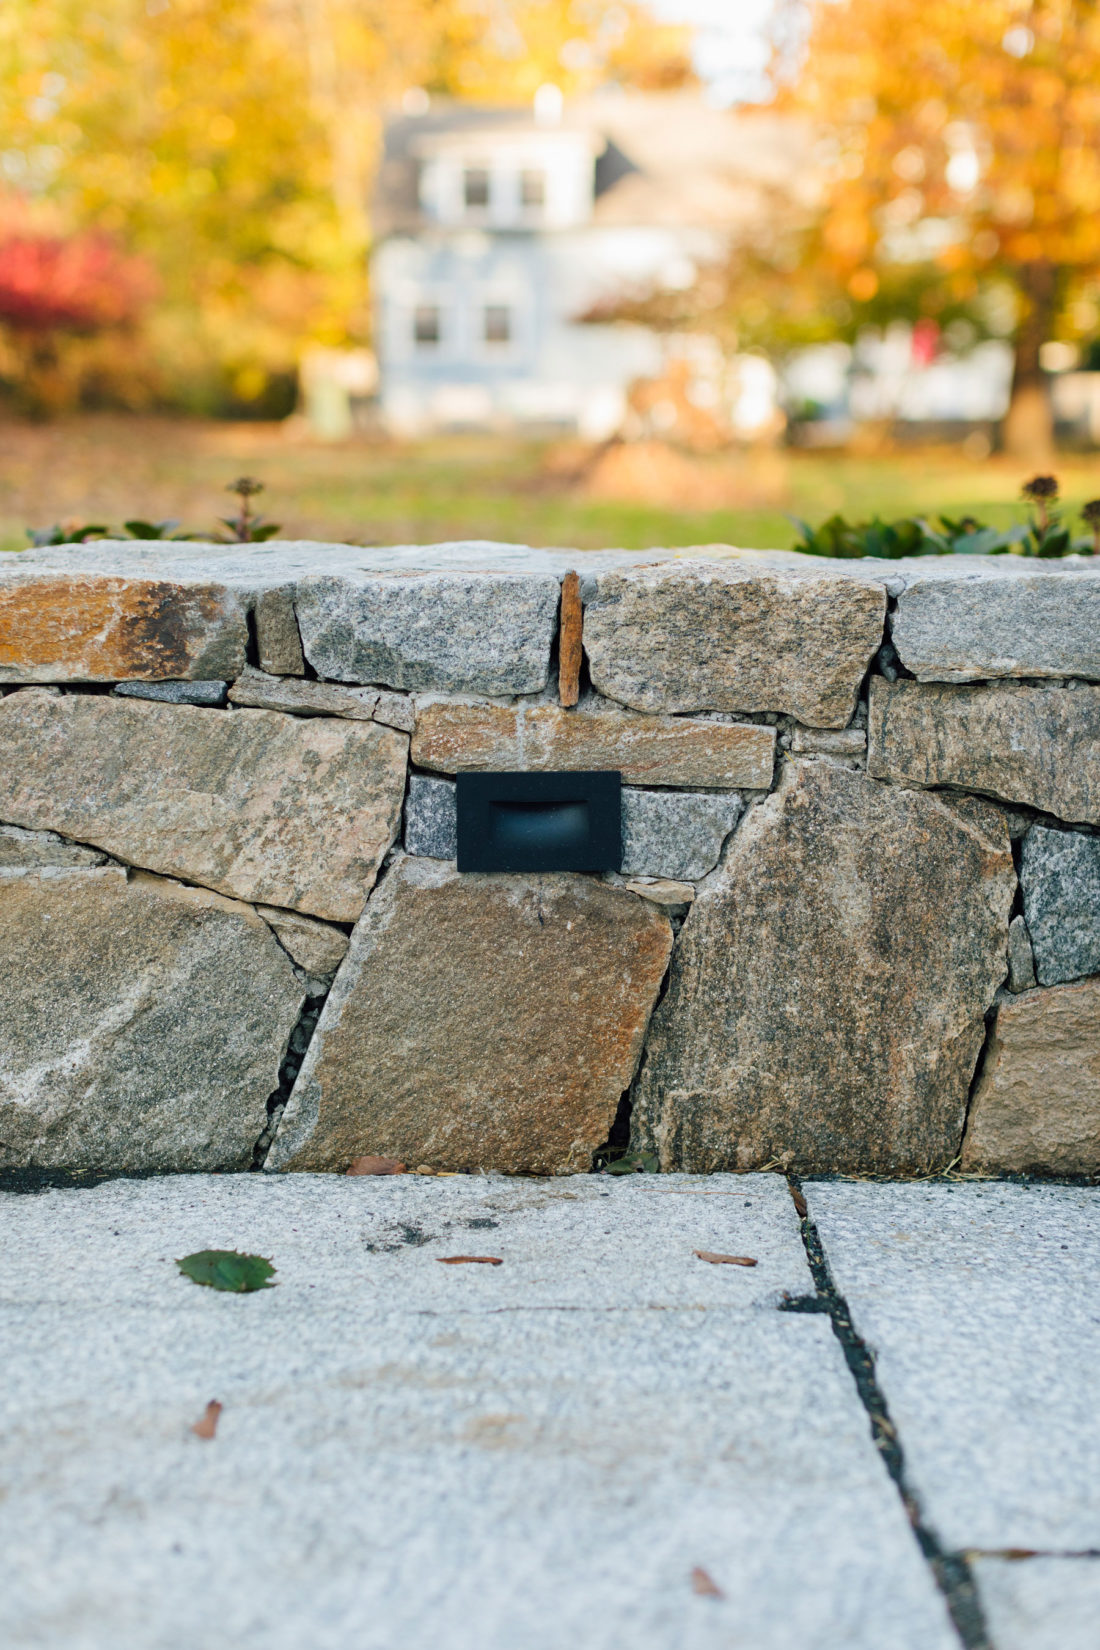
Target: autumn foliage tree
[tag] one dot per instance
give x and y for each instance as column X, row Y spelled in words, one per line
column 231, row 143
column 965, row 150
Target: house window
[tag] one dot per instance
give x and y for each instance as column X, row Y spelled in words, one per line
column 498, row 324
column 476, row 187
column 427, row 329
column 532, row 188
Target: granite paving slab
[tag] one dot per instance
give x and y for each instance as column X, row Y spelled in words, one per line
column 981, row 1307
column 438, row 1458
column 1041, row 1603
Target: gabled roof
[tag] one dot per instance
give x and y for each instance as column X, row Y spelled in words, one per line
column 662, row 158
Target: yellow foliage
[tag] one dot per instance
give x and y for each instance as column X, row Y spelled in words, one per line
column 233, row 142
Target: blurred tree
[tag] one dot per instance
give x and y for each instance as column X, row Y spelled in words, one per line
column 965, row 150
column 956, row 180
column 231, row 143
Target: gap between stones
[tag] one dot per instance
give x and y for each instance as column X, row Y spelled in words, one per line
column 951, row 1571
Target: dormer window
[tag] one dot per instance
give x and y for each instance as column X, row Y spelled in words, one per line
column 532, row 187
column 427, row 328
column 475, row 186
column 498, row 324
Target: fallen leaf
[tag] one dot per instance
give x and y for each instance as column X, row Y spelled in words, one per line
column 702, row 1583
column 375, row 1165
column 469, row 1260
column 424, row 1168
column 635, row 1163
column 207, row 1426
column 799, row 1202
column 725, row 1260
column 226, row 1269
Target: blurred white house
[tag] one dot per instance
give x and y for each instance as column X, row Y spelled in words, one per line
column 497, row 229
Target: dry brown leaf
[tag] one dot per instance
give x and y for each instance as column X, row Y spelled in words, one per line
column 799, row 1202
column 207, row 1425
column 469, row 1260
column 375, row 1165
column 725, row 1260
column 702, row 1583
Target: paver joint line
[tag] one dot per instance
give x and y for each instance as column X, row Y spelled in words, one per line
column 952, row 1571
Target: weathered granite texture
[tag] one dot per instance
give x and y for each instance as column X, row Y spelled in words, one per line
column 826, row 1001
column 1037, row 1103
column 317, row 947
column 35, row 850
column 452, row 632
column 431, row 818
column 277, row 640
column 1021, row 957
column 707, row 636
column 675, row 834
column 300, row 698
column 1022, row 624
column 479, row 1022
column 289, row 811
column 1038, row 745
column 1060, row 878
column 143, row 1024
column 68, row 627
column 453, row 736
column 211, row 694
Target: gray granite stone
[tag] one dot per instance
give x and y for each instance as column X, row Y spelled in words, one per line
column 300, row 698
column 396, row 710
column 827, row 997
column 676, row 834
column 295, row 812
column 959, row 630
column 143, row 1024
column 979, row 1304
column 1060, row 878
column 1021, row 958
column 431, row 818
column 452, row 632
column 1040, row 1603
column 1036, row 745
column 536, row 1454
column 722, row 636
column 34, row 850
column 211, row 694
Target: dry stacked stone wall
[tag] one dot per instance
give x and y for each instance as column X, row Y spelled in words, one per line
column 856, row 928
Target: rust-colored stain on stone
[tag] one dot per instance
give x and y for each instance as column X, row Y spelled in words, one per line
column 72, row 629
column 569, row 646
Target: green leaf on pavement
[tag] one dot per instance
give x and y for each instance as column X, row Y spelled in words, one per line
column 226, row 1269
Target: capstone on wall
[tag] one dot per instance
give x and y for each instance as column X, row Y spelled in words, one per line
column 856, row 927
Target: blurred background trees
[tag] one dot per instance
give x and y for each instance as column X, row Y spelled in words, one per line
column 225, row 148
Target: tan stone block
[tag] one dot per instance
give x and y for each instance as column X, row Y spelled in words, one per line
column 453, row 736
column 1022, row 742
column 69, row 627
column 1037, row 1103
column 479, row 1022
column 291, row 811
column 277, row 640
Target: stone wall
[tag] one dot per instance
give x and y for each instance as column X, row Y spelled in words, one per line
column 857, row 926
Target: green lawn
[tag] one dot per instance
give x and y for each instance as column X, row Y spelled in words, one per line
column 104, row 469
